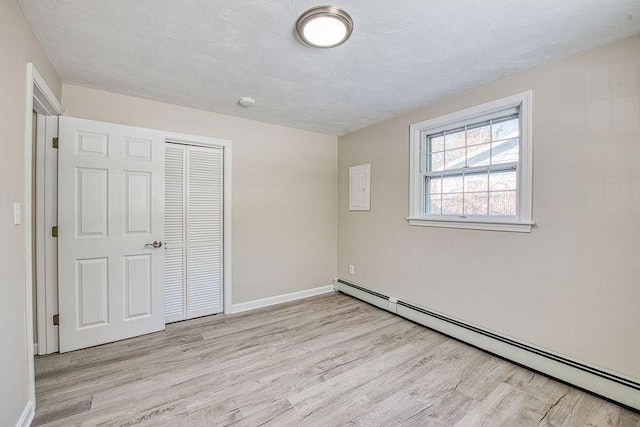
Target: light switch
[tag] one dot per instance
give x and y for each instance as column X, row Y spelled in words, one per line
column 17, row 213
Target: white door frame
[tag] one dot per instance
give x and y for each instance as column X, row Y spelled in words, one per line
column 226, row 203
column 46, row 245
column 40, row 98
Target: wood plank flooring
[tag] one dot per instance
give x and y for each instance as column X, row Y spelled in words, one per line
column 325, row 361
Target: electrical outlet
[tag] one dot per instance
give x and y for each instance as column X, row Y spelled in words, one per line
column 352, row 269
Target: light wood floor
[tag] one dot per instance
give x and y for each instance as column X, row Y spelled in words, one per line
column 329, row 360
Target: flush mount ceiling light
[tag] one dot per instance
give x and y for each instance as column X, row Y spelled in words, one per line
column 324, row 27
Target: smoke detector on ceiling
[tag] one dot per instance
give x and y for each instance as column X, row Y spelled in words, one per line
column 246, row 101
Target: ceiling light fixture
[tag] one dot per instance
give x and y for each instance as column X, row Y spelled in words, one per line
column 324, row 27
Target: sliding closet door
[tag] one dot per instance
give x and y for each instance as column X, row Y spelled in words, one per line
column 193, row 231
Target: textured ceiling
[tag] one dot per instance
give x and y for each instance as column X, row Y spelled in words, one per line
column 208, row 53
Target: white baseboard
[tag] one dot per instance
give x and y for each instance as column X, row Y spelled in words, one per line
column 279, row 299
column 609, row 384
column 27, row 415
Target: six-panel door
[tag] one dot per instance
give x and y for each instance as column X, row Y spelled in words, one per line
column 111, row 207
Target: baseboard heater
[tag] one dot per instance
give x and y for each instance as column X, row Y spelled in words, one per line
column 613, row 386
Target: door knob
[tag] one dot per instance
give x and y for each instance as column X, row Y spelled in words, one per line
column 155, row 245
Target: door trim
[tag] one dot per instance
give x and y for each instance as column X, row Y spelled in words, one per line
column 40, row 98
column 225, row 145
column 46, row 246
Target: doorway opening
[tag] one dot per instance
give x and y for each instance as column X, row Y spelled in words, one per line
column 42, row 111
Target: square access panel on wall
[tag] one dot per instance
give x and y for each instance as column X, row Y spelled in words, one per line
column 360, row 187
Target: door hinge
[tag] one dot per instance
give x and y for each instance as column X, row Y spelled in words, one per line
column 55, row 142
column 56, row 319
column 54, row 231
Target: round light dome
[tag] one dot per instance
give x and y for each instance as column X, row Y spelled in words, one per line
column 324, row 27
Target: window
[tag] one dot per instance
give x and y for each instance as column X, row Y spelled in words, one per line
column 472, row 169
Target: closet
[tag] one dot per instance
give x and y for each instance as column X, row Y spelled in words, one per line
column 193, row 231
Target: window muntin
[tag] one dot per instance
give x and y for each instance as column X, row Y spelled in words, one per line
column 472, row 169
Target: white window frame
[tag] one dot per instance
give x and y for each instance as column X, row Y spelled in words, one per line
column 523, row 221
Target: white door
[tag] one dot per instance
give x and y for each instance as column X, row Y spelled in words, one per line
column 194, row 231
column 110, row 211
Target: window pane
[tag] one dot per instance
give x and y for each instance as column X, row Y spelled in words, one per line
column 475, row 203
column 452, row 184
column 452, row 204
column 467, row 153
column 500, row 181
column 436, row 143
column 502, row 203
column 434, row 204
column 504, row 151
column 479, row 134
column 504, row 129
column 454, row 139
column 436, row 162
column 476, row 182
column 454, row 159
column 478, row 155
column 434, row 185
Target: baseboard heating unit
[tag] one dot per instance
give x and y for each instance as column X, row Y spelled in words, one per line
column 610, row 385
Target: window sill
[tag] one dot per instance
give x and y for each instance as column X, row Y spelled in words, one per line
column 513, row 226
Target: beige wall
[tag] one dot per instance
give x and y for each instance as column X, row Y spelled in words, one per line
column 284, row 189
column 18, row 45
column 573, row 284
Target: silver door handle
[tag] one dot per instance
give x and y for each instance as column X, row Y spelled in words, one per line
column 155, row 245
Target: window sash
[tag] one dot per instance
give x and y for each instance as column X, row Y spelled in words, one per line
column 426, row 152
column 480, row 170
